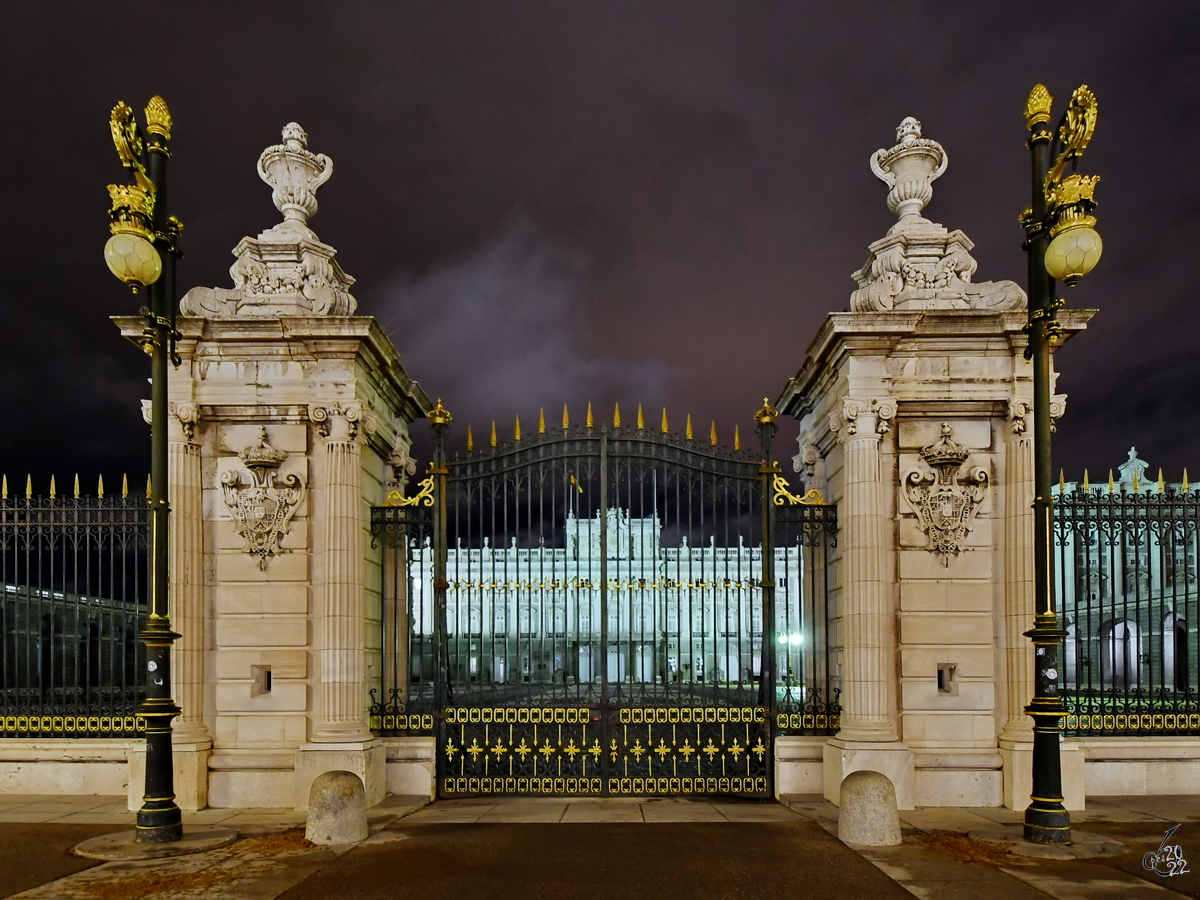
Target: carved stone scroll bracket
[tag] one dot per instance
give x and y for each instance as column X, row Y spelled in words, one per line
column 402, row 463
column 1058, row 406
column 946, row 502
column 188, row 415
column 1018, row 413
column 262, row 509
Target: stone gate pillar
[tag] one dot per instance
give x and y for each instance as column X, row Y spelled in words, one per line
column 288, row 412
column 913, row 401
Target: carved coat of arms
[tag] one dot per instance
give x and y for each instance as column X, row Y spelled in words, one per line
column 262, row 509
column 944, row 507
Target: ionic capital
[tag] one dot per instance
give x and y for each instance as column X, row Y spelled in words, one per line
column 861, row 418
column 342, row 421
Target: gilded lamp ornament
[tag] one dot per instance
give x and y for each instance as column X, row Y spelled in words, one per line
column 1075, row 246
column 130, row 252
column 944, row 507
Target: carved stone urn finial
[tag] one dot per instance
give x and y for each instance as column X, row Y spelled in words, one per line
column 294, row 174
column 909, row 169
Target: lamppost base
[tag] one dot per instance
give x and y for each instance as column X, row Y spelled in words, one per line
column 159, row 825
column 1047, row 826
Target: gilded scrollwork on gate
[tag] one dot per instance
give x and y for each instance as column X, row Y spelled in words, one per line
column 944, row 506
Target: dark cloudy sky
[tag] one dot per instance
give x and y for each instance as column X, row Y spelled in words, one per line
column 606, row 201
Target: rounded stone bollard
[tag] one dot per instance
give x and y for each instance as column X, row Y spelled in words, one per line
column 867, row 815
column 337, row 809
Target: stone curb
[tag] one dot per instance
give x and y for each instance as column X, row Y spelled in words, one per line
column 123, row 845
column 1084, row 845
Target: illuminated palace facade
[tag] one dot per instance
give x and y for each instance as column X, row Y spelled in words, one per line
column 675, row 614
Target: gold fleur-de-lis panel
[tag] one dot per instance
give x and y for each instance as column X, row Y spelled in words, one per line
column 626, row 751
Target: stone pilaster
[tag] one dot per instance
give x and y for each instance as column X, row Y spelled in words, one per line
column 1018, row 570
column 343, row 714
column 187, row 576
column 867, row 624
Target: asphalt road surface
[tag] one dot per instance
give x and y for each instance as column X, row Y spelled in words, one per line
column 33, row 854
column 691, row 861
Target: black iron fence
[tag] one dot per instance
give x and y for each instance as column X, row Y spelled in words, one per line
column 1126, row 585
column 72, row 604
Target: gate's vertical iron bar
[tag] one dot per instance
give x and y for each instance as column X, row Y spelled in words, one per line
column 766, row 419
column 440, row 421
column 603, row 525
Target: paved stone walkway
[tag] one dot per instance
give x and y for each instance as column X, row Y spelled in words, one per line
column 533, row 847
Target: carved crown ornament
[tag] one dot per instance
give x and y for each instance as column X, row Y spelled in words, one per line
column 918, row 264
column 944, row 505
column 286, row 270
column 262, row 509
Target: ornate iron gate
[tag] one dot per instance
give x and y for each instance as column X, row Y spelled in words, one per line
column 593, row 610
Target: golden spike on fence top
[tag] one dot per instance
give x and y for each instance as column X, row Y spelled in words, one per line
column 617, row 416
column 589, row 414
column 125, row 485
column 641, row 419
column 737, row 439
column 1160, row 481
column 53, row 492
column 1110, row 481
column 1185, row 487
column 149, row 488
column 1086, row 486
column 541, row 420
column 1062, row 482
column 712, row 435
column 566, row 421
column 1135, row 481
column 28, row 487
column 77, row 483
column 100, row 487
column 689, row 426
column 4, row 487
column 470, row 440
column 517, row 430
column 664, row 424
column 493, row 432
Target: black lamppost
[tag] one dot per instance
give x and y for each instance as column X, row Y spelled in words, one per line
column 1062, row 246
column 142, row 253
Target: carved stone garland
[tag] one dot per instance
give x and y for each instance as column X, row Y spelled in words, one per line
column 944, row 507
column 262, row 509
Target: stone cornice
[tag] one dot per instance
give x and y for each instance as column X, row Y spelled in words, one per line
column 878, row 334
column 298, row 338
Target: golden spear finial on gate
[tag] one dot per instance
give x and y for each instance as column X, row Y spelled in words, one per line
column 100, row 487
column 1160, row 481
column 589, row 414
column 3, row 487
column 493, row 432
column 53, row 493
column 1062, row 482
column 28, row 487
column 566, row 421
column 124, row 485
column 617, row 416
column 1086, row 485
column 77, row 483
column 149, row 488
column 470, row 440
column 712, row 435
column 737, row 439
column 641, row 421
column 517, row 430
column 1110, row 481
column 1135, row 481
column 1185, row 484
column 664, row 424
column 541, row 420
column 689, row 426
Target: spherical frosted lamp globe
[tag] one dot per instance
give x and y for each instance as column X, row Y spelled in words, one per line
column 133, row 259
column 1073, row 253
